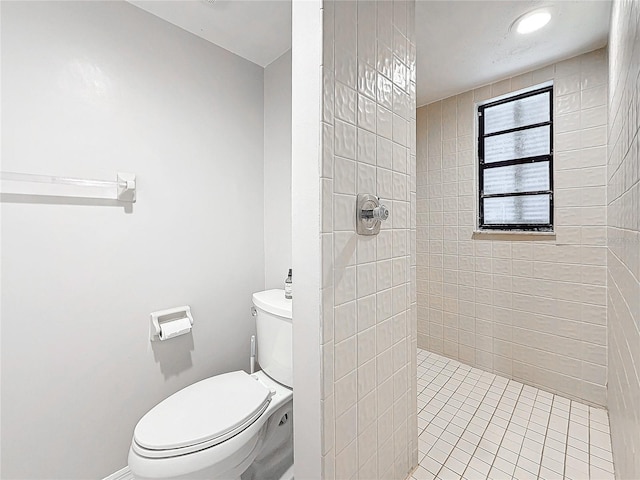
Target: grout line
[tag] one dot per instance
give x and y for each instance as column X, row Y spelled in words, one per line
column 507, row 428
column 566, row 445
column 589, row 439
column 482, row 436
column 545, row 437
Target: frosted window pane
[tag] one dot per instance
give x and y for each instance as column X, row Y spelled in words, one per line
column 525, row 209
column 526, row 177
column 520, row 144
column 518, row 113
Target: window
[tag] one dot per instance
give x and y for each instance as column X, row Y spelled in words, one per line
column 515, row 149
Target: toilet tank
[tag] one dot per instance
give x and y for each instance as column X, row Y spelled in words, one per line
column 274, row 335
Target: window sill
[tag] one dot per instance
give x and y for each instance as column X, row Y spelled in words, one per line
column 512, row 235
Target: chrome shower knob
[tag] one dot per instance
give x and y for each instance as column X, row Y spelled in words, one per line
column 381, row 212
column 369, row 214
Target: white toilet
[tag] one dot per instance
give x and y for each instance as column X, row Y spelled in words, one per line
column 231, row 426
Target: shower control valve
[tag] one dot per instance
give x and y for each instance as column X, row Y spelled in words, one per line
column 380, row 212
column 370, row 213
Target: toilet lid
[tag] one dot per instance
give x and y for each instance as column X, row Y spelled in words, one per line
column 209, row 409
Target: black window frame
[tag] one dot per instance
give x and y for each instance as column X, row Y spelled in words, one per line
column 482, row 166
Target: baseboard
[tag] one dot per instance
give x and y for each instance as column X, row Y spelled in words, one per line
column 125, row 474
column 122, row 474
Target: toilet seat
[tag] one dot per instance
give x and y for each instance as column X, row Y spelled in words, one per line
column 201, row 415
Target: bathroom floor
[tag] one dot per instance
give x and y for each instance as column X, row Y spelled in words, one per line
column 477, row 425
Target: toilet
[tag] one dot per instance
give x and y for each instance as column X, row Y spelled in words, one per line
column 232, row 426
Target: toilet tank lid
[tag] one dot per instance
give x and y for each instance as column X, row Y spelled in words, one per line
column 274, row 302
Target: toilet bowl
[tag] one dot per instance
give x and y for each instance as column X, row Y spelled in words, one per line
column 231, row 426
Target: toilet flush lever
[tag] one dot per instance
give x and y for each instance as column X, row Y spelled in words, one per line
column 370, row 213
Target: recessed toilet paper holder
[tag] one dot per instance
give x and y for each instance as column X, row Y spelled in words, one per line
column 370, row 213
column 174, row 316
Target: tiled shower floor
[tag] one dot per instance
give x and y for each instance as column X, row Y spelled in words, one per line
column 476, row 425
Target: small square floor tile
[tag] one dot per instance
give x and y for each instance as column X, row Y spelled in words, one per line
column 477, row 426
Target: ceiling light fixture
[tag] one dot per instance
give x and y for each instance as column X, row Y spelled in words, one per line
column 532, row 21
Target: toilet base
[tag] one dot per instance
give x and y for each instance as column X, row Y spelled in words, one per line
column 276, row 458
column 288, row 475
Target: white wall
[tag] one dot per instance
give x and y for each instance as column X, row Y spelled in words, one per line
column 88, row 89
column 623, row 197
column 277, row 170
column 526, row 307
column 368, row 282
column 306, row 52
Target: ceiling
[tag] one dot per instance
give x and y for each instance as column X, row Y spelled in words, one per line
column 461, row 44
column 465, row 44
column 258, row 30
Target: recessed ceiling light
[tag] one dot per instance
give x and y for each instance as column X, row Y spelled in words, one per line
column 532, row 21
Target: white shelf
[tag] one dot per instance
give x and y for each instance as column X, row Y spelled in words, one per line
column 123, row 188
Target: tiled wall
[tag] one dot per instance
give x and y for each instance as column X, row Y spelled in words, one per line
column 529, row 308
column 369, row 305
column 623, row 196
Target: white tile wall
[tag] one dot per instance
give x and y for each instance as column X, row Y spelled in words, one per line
column 369, row 336
column 623, row 196
column 530, row 309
